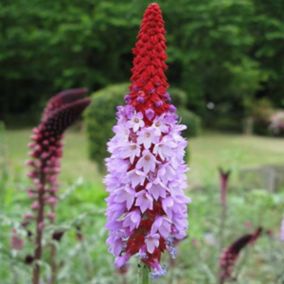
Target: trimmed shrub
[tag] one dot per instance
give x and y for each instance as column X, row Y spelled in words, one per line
column 100, row 118
column 191, row 120
column 179, row 97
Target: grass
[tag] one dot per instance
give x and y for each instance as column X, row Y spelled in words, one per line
column 207, row 152
column 212, row 150
column 83, row 206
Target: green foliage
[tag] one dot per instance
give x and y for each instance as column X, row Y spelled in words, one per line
column 179, row 97
column 192, row 121
column 223, row 51
column 83, row 254
column 100, row 118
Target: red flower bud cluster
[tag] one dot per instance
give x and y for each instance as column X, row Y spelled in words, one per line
column 148, row 82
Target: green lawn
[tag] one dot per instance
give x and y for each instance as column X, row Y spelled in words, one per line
column 207, row 152
column 231, row 151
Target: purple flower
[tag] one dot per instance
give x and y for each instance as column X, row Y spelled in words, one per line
column 152, row 241
column 148, row 144
column 147, row 136
column 156, row 189
column 146, row 178
column 164, row 148
column 130, row 150
column 161, row 225
column 136, row 121
column 160, row 125
column 147, row 162
column 136, row 177
column 168, row 205
column 132, row 219
column 144, row 200
column 127, row 195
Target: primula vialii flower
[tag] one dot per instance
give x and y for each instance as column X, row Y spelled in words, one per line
column 147, row 208
column 46, row 150
column 230, row 255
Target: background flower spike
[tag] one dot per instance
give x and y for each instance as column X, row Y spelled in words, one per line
column 45, row 152
column 231, row 254
column 63, row 99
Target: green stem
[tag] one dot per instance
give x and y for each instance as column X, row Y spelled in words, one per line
column 143, row 277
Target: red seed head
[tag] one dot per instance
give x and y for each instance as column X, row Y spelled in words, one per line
column 149, row 84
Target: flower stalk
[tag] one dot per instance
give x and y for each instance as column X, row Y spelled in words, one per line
column 224, row 180
column 143, row 276
column 46, row 151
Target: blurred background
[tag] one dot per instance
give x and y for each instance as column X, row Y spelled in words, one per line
column 226, row 70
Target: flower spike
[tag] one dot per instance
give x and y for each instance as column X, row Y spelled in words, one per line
column 147, row 207
column 231, row 254
column 45, row 152
column 46, row 147
column 148, row 82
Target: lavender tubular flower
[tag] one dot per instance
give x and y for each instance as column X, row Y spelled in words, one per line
column 147, row 206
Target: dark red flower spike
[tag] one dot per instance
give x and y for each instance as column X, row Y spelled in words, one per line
column 231, row 254
column 149, row 84
column 46, row 150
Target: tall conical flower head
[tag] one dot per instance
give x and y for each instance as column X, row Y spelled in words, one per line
column 149, row 83
column 46, row 149
column 147, row 208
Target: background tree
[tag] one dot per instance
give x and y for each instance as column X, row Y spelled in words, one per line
column 222, row 51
